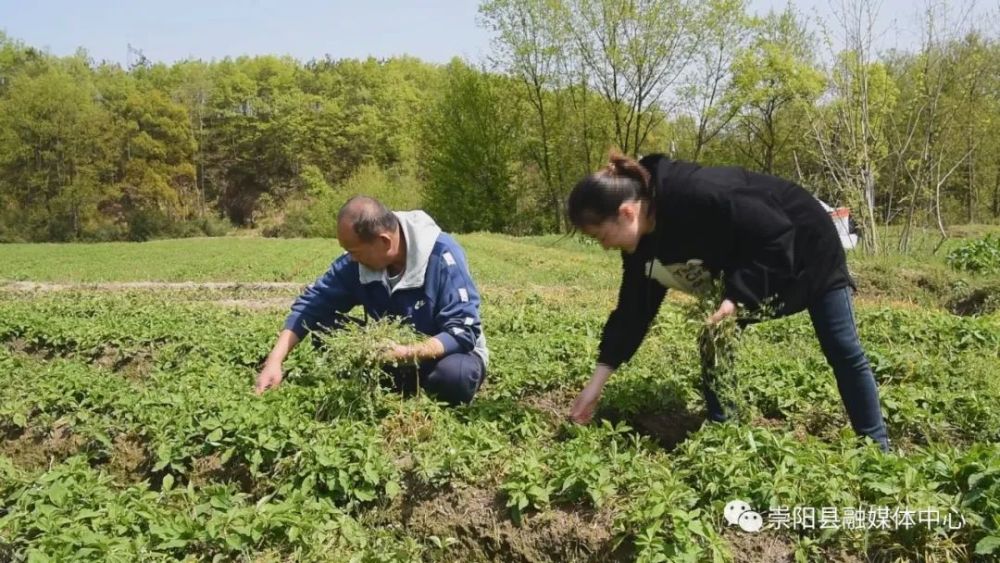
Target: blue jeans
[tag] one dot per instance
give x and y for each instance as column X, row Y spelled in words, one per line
column 454, row 378
column 833, row 319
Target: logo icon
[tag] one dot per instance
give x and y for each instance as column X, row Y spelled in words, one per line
column 739, row 513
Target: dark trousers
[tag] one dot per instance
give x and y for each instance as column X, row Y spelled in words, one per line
column 454, row 378
column 833, row 319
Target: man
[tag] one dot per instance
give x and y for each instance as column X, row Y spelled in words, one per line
column 399, row 265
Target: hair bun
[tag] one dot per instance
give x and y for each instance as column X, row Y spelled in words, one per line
column 621, row 165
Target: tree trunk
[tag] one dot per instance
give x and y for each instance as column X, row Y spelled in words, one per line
column 904, row 239
column 971, row 196
column 871, row 241
column 996, row 191
column 769, row 144
column 937, row 206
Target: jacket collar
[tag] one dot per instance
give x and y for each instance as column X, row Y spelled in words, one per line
column 420, row 233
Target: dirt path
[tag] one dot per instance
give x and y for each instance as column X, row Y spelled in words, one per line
column 279, row 294
column 254, row 296
column 30, row 286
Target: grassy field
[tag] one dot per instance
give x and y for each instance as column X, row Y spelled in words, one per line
column 129, row 430
column 502, row 259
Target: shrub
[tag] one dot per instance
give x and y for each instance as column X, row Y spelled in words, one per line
column 981, row 256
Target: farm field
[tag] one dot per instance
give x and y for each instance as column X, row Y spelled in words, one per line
column 129, row 430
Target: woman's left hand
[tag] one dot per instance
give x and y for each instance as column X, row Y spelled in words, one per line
column 727, row 308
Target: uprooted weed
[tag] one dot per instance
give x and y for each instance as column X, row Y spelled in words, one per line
column 719, row 346
column 355, row 352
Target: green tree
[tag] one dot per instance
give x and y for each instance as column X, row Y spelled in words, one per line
column 56, row 158
column 852, row 131
column 471, row 139
column 530, row 41
column 770, row 79
column 724, row 28
column 634, row 51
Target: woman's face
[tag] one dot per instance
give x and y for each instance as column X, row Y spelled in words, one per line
column 620, row 232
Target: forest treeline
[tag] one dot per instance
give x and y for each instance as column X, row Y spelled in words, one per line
column 92, row 150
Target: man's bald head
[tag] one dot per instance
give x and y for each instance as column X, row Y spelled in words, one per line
column 367, row 218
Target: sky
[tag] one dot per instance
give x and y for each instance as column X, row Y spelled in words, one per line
column 171, row 30
column 433, row 30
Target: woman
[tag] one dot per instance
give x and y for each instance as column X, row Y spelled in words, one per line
column 682, row 226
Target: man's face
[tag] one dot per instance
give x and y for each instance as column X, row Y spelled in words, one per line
column 372, row 254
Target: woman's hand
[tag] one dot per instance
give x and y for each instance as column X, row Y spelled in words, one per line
column 726, row 309
column 586, row 402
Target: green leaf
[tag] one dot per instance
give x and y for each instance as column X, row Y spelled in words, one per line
column 392, row 489
column 58, row 493
column 235, row 541
column 86, row 514
column 175, row 543
column 885, row 488
column 987, row 545
column 364, row 494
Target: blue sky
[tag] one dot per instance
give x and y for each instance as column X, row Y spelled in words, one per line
column 171, row 30
column 434, row 30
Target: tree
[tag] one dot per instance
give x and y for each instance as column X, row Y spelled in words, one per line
column 770, row 79
column 634, row 51
column 55, row 151
column 470, row 137
column 191, row 85
column 706, row 97
column 926, row 120
column 976, row 101
column 530, row 43
column 852, row 131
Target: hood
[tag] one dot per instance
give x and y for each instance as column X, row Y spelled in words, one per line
column 420, row 233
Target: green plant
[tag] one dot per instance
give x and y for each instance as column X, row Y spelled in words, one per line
column 979, row 256
column 526, row 487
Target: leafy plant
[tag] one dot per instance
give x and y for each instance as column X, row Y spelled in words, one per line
column 979, row 256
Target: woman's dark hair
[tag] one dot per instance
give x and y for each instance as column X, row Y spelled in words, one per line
column 597, row 197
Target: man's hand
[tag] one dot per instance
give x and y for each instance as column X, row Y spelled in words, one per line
column 269, row 377
column 429, row 349
column 726, row 309
column 392, row 352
